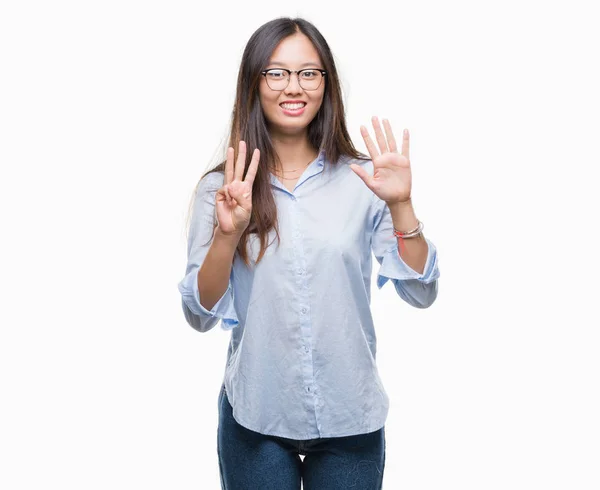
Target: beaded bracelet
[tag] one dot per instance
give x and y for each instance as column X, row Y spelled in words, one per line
column 409, row 234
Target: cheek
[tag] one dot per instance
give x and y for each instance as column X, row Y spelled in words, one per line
column 266, row 99
column 268, row 103
column 318, row 102
column 319, row 97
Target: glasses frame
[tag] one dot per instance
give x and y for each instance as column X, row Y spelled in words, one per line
column 297, row 72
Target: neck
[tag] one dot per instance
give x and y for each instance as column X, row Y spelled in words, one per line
column 294, row 152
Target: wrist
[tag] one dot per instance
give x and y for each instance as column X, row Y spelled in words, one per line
column 403, row 215
column 227, row 238
column 402, row 212
column 400, row 205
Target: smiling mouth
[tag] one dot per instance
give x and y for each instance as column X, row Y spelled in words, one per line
column 293, row 107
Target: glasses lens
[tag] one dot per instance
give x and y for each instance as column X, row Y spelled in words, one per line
column 277, row 79
column 308, row 79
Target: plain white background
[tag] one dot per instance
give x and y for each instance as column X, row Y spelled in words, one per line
column 111, row 111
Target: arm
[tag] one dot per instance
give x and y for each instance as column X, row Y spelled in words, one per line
column 414, row 250
column 214, row 275
column 209, row 266
column 417, row 286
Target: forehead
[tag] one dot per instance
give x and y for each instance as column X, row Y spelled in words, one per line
column 295, row 51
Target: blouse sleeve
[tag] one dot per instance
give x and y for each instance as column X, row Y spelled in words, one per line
column 199, row 240
column 418, row 290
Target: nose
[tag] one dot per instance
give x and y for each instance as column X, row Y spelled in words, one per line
column 293, row 85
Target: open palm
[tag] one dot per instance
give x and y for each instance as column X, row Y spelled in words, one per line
column 392, row 179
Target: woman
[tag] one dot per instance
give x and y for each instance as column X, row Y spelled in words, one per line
column 301, row 376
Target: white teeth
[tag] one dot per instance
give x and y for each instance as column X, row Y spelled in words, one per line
column 293, row 106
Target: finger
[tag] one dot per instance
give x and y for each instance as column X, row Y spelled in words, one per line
column 390, row 136
column 252, row 169
column 371, row 148
column 362, row 173
column 241, row 161
column 405, row 144
column 222, row 195
column 229, row 166
column 229, row 198
column 379, row 135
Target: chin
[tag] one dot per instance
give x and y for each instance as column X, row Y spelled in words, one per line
column 291, row 129
column 299, row 122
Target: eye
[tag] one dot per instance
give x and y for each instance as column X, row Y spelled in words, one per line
column 276, row 74
column 308, row 74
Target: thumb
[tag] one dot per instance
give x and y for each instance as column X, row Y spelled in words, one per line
column 237, row 194
column 362, row 173
column 242, row 199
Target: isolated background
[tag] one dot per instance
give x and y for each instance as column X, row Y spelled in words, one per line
column 111, row 111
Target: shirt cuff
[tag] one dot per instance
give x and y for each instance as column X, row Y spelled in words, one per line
column 393, row 267
column 223, row 308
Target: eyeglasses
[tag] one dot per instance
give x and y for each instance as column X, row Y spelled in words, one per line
column 279, row 78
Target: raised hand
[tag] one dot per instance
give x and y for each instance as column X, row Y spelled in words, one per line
column 234, row 199
column 392, row 179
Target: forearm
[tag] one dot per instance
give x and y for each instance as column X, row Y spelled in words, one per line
column 213, row 276
column 414, row 250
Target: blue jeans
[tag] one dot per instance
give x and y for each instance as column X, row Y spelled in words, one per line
column 249, row 460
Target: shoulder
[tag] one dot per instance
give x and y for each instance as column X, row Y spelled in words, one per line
column 376, row 205
column 347, row 160
column 211, row 182
column 346, row 184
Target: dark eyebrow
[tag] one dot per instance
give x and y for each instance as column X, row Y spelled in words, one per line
column 310, row 63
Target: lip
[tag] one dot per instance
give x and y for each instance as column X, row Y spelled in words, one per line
column 296, row 112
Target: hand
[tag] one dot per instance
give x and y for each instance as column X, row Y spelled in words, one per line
column 234, row 199
column 391, row 180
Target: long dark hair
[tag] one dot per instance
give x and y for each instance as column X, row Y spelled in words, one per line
column 327, row 131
